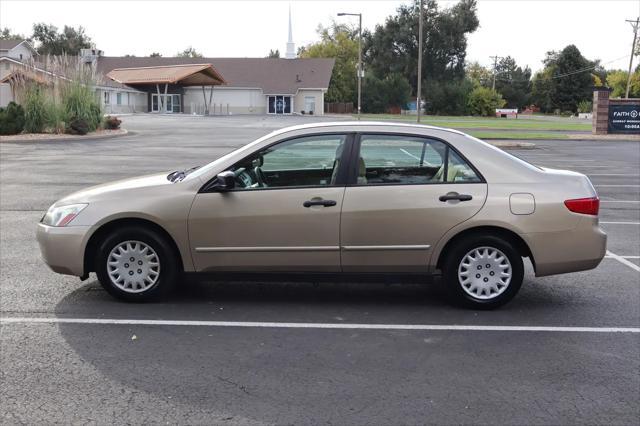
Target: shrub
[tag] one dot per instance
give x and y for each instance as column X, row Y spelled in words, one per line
column 380, row 94
column 448, row 97
column 78, row 126
column 11, row 119
column 484, row 101
column 35, row 110
column 79, row 103
column 112, row 123
column 585, row 106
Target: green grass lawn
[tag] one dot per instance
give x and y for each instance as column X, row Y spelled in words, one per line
column 489, row 123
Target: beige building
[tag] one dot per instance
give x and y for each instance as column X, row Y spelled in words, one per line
column 276, row 86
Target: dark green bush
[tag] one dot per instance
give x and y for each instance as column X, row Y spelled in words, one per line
column 78, row 126
column 11, row 119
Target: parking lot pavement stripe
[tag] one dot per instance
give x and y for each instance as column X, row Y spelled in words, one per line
column 619, row 223
column 617, row 186
column 419, row 327
column 624, row 261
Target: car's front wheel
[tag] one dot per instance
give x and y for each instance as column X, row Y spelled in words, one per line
column 483, row 272
column 136, row 264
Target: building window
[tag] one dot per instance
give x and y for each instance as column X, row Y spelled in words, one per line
column 119, row 98
column 310, row 104
column 7, row 66
column 21, row 56
column 106, row 98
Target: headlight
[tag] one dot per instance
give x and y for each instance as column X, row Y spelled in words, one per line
column 61, row 216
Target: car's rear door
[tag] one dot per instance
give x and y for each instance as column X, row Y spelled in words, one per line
column 290, row 222
column 406, row 193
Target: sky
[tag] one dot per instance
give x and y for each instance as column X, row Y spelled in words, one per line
column 523, row 29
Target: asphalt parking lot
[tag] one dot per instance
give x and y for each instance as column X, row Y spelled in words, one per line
column 358, row 360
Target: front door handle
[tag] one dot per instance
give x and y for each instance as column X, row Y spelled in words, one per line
column 319, row 202
column 455, row 196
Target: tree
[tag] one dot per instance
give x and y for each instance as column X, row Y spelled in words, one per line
column 478, row 75
column 484, row 101
column 617, row 81
column 379, row 95
column 513, row 82
column 155, row 55
column 189, row 52
column 273, row 53
column 393, row 47
column 541, row 88
column 51, row 42
column 565, row 81
column 339, row 41
column 6, row 34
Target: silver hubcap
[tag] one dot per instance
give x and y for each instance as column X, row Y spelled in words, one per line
column 133, row 266
column 484, row 273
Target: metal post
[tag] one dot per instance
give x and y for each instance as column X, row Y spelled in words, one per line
column 359, row 67
column 419, row 94
column 634, row 24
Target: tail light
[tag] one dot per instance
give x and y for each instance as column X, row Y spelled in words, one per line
column 589, row 206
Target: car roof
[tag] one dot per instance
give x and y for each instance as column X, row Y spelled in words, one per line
column 319, row 125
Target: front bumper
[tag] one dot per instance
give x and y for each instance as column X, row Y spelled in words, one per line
column 62, row 248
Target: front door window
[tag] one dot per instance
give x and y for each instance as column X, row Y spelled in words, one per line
column 170, row 103
column 279, row 104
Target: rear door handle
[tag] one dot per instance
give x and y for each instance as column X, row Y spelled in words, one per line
column 455, row 196
column 316, row 202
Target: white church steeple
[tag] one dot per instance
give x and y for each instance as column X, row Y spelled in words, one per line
column 291, row 47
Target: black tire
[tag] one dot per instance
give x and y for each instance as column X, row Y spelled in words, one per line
column 455, row 256
column 168, row 272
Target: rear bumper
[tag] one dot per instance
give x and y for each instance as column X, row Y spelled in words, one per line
column 579, row 249
column 62, row 248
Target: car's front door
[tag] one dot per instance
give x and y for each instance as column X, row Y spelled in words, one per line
column 409, row 192
column 283, row 215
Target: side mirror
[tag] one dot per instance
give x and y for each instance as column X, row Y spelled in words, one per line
column 225, row 181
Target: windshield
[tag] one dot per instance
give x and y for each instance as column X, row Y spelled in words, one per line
column 206, row 169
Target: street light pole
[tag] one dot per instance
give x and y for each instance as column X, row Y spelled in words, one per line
column 419, row 95
column 359, row 68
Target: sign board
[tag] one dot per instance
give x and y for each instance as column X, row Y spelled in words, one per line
column 506, row 112
column 624, row 118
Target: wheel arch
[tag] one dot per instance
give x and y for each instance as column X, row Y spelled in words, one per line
column 519, row 243
column 104, row 229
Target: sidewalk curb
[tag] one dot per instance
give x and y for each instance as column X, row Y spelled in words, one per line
column 125, row 132
column 506, row 143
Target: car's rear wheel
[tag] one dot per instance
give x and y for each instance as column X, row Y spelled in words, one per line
column 136, row 264
column 483, row 272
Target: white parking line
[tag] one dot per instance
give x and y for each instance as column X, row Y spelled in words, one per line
column 623, row 260
column 621, row 186
column 619, row 223
column 312, row 325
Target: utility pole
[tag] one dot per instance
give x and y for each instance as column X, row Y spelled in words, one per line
column 634, row 24
column 359, row 70
column 495, row 66
column 419, row 95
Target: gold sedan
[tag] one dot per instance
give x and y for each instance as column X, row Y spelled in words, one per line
column 347, row 200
